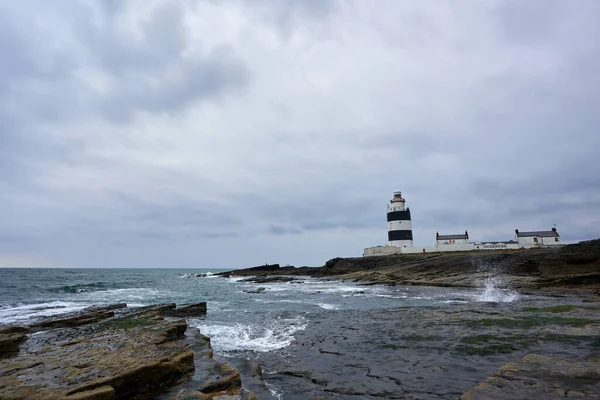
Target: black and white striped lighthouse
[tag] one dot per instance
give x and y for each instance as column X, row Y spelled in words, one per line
column 399, row 223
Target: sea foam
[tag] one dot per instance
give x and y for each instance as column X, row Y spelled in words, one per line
column 275, row 334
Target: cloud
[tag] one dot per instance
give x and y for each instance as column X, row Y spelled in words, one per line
column 227, row 134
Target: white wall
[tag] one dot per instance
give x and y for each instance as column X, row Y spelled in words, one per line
column 381, row 251
column 399, row 226
column 401, row 243
column 495, row 246
column 528, row 242
column 453, row 241
column 456, row 247
column 550, row 241
column 387, row 250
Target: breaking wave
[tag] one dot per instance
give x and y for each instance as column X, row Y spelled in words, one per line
column 491, row 292
column 29, row 312
column 81, row 288
column 200, row 275
column 260, row 337
column 327, row 306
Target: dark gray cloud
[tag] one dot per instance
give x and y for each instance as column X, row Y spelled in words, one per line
column 203, row 133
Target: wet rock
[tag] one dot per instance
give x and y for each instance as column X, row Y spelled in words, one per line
column 253, row 384
column 212, row 379
column 592, row 300
column 119, row 358
column 269, row 279
column 259, row 290
column 164, row 309
column 115, row 306
column 227, row 380
column 570, row 266
column 10, row 342
column 540, row 377
column 186, row 394
column 83, row 317
column 14, row 329
column 190, row 310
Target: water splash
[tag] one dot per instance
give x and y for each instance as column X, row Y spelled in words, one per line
column 261, row 336
column 493, row 293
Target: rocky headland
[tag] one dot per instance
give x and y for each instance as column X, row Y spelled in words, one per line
column 116, row 352
column 571, row 269
column 575, row 266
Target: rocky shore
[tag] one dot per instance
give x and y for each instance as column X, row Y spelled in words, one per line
column 116, row 352
column 571, row 269
column 575, row 266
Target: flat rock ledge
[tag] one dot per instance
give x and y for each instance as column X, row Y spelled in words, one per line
column 541, row 377
column 95, row 355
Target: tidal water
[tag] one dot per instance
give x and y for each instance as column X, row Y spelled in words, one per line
column 335, row 339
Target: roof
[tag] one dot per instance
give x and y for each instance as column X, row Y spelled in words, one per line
column 449, row 237
column 538, row 233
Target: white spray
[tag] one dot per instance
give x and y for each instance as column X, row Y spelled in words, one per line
column 491, row 292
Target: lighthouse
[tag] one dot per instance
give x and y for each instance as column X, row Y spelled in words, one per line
column 399, row 223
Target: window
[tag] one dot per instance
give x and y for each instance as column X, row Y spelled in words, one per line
column 556, row 239
column 535, row 240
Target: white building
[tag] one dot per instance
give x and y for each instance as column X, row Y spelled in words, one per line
column 461, row 238
column 400, row 236
column 528, row 240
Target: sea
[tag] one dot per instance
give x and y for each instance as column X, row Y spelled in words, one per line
column 314, row 338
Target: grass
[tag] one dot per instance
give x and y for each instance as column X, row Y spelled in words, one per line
column 126, row 323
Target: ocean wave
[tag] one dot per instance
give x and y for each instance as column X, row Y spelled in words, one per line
column 28, row 312
column 81, row 288
column 128, row 295
column 392, row 296
column 200, row 275
column 275, row 334
column 327, row 306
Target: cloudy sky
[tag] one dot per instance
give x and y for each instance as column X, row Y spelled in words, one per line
column 233, row 133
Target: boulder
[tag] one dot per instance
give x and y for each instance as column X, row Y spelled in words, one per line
column 120, row 358
column 10, row 342
column 227, row 381
column 14, row 329
column 190, row 310
column 164, row 309
column 540, row 377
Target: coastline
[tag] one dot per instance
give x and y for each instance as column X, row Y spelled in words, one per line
column 570, row 267
column 109, row 352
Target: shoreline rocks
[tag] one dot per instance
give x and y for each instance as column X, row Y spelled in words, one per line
column 575, row 266
column 539, row 376
column 94, row 355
